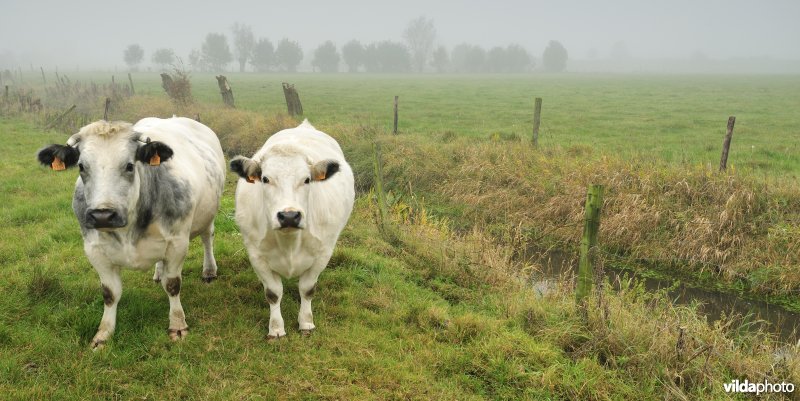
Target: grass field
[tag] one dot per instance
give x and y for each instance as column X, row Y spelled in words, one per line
column 431, row 314
column 674, row 119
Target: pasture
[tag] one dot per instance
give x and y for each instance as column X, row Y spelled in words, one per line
column 441, row 311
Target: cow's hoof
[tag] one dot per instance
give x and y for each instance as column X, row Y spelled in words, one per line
column 157, row 280
column 209, row 279
column 306, row 333
column 275, row 337
column 97, row 345
column 178, row 334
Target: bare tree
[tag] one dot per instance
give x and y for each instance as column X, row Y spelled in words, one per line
column 420, row 35
column 243, row 44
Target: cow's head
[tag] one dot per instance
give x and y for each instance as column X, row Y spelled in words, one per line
column 285, row 181
column 109, row 156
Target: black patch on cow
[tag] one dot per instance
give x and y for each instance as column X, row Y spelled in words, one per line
column 145, row 152
column 272, row 297
column 310, row 292
column 245, row 167
column 67, row 154
column 173, row 286
column 108, row 297
column 323, row 170
column 79, row 205
column 163, row 197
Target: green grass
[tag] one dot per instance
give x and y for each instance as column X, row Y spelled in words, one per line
column 660, row 119
column 430, row 319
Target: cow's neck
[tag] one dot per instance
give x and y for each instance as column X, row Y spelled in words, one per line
column 289, row 242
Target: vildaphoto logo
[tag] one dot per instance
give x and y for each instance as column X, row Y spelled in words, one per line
column 746, row 386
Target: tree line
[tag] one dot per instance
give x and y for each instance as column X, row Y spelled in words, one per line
column 417, row 52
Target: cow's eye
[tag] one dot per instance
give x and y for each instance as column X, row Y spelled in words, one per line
column 265, row 180
column 80, row 167
column 129, row 167
column 308, row 180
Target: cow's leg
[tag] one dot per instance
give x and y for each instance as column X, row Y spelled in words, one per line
column 159, row 271
column 209, row 263
column 273, row 290
column 111, row 285
column 171, row 282
column 306, row 286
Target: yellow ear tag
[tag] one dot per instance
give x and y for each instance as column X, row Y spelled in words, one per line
column 320, row 176
column 155, row 160
column 251, row 179
column 57, row 164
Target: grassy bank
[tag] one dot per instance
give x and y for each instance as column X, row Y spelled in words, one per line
column 430, row 315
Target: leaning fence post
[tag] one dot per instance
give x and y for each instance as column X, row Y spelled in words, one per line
column 394, row 131
column 44, row 80
column 591, row 224
column 225, row 90
column 726, row 145
column 537, row 119
column 59, row 118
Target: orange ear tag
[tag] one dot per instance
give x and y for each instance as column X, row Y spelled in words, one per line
column 320, row 176
column 155, row 160
column 251, row 179
column 57, row 164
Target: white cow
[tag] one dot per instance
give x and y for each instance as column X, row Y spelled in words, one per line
column 144, row 191
column 292, row 201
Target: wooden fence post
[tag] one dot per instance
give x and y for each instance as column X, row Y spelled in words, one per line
column 293, row 104
column 44, row 80
column 105, row 113
column 726, row 145
column 394, row 131
column 591, row 224
column 537, row 119
column 133, row 91
column 59, row 118
column 225, row 90
column 5, row 95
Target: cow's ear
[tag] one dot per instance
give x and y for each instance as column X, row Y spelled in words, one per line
column 246, row 168
column 321, row 171
column 58, row 157
column 154, row 153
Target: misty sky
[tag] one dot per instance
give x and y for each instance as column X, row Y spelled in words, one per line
column 94, row 33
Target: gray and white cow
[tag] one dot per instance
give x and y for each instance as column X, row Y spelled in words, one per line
column 293, row 200
column 144, row 191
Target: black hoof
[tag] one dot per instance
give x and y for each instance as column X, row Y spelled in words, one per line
column 306, row 333
column 209, row 279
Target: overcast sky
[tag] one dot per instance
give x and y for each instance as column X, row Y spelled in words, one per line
column 94, row 33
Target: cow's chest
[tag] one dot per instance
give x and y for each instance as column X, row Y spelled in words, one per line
column 289, row 263
column 139, row 253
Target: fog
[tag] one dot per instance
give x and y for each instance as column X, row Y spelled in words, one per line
column 661, row 36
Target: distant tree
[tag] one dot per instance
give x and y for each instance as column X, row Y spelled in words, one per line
column 134, row 54
column 420, row 35
column 288, row 55
column 554, row 58
column 496, row 60
column 353, row 54
column 518, row 59
column 163, row 58
column 440, row 59
column 326, row 57
column 243, row 43
column 196, row 61
column 215, row 52
column 619, row 51
column 468, row 58
column 387, row 56
column 263, row 55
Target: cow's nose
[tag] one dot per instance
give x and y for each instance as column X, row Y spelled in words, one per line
column 101, row 218
column 289, row 219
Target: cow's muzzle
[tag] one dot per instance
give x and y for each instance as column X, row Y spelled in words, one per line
column 104, row 218
column 289, row 219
